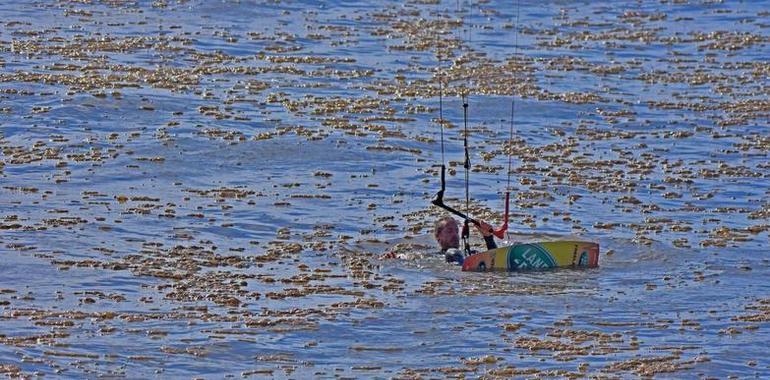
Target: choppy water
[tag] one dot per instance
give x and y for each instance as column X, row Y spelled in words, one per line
column 204, row 188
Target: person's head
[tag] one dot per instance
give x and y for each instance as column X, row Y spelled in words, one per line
column 447, row 233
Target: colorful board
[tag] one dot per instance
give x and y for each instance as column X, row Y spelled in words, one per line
column 544, row 255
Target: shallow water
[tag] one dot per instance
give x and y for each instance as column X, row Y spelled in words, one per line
column 204, row 188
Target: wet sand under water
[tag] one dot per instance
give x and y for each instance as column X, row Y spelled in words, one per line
column 205, row 188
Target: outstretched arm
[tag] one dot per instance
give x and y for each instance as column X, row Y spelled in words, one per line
column 487, row 231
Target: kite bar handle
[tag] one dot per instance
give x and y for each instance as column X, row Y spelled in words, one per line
column 438, row 200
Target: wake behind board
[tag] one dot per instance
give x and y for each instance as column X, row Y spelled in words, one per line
column 545, row 255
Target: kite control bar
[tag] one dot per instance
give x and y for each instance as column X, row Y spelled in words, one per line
column 438, row 200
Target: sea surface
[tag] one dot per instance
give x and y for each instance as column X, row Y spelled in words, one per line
column 205, row 188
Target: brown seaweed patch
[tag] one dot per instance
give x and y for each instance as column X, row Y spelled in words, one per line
column 196, row 351
column 758, row 312
column 294, row 323
column 71, row 354
column 258, row 372
column 10, row 370
column 33, row 340
column 64, row 221
column 486, row 359
column 224, row 193
column 511, row 371
column 358, row 347
column 650, row 366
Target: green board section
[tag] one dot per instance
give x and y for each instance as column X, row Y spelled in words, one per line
column 530, row 256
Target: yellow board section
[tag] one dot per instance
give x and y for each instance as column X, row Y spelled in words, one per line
column 542, row 255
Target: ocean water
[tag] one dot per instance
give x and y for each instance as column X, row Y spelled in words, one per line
column 205, row 188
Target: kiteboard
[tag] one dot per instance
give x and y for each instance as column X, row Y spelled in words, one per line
column 534, row 256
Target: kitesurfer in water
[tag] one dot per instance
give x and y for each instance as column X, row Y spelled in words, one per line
column 446, row 231
column 447, row 234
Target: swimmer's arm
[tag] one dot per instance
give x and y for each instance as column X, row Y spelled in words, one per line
column 486, row 231
column 490, row 240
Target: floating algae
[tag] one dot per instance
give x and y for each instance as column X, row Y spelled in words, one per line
column 179, row 183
